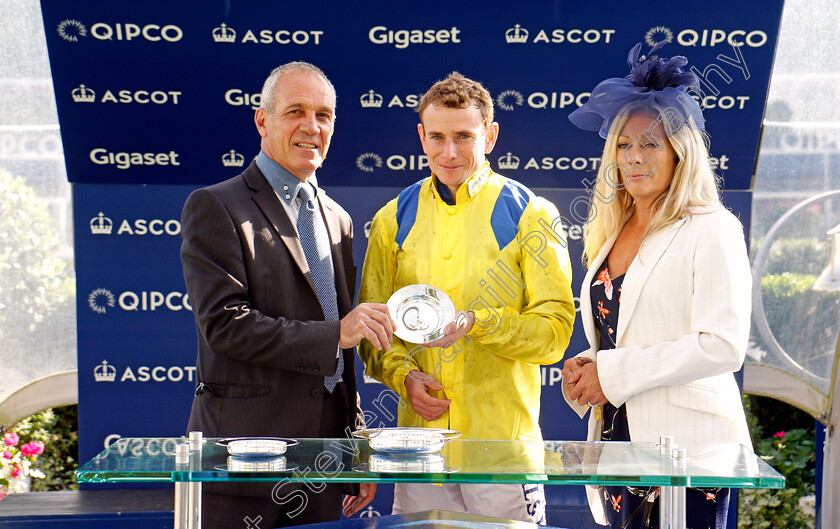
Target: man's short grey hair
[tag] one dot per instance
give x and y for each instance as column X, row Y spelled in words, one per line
column 267, row 96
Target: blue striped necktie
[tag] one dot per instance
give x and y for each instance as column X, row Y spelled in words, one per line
column 317, row 252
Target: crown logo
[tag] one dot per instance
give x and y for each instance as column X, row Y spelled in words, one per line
column 233, row 159
column 369, row 513
column 516, row 34
column 83, row 94
column 101, row 225
column 224, row 34
column 104, row 372
column 508, row 162
column 371, row 100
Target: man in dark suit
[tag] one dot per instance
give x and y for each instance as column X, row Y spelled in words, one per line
column 268, row 265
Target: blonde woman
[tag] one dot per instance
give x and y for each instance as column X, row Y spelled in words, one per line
column 665, row 304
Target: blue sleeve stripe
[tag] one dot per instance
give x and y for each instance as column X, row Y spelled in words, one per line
column 407, row 211
column 510, row 205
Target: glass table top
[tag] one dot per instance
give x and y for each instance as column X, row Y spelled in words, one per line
column 460, row 461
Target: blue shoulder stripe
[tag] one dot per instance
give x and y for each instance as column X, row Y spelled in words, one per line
column 510, row 205
column 407, row 210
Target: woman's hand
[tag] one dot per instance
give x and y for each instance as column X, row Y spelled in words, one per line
column 584, row 386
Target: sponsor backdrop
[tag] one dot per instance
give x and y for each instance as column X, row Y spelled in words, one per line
column 156, row 100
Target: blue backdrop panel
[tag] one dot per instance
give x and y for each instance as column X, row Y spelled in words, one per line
column 164, row 93
column 136, row 333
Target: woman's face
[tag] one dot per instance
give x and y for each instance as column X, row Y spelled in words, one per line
column 646, row 157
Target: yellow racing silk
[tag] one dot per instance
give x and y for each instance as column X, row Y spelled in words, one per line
column 499, row 251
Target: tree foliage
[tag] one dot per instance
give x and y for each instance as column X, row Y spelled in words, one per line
column 33, row 281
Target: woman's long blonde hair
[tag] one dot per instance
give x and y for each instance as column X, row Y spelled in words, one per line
column 694, row 184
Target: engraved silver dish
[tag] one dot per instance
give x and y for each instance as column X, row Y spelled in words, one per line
column 421, row 312
column 396, row 463
column 256, row 446
column 254, row 464
column 406, row 440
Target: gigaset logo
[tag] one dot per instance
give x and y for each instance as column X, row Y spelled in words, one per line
column 124, row 160
column 403, row 38
column 237, row 98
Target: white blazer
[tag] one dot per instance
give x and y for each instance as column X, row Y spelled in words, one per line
column 683, row 329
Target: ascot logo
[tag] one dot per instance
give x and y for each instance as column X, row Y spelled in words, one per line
column 371, row 100
column 233, row 159
column 368, row 161
column 102, row 225
column 507, row 99
column 226, row 34
column 369, row 513
column 519, row 35
column 706, row 37
column 102, row 298
column 104, row 372
column 508, row 162
column 83, row 94
column 657, row 34
column 70, row 30
column 516, row 35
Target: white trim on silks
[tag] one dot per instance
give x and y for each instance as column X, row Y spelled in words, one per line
column 525, row 503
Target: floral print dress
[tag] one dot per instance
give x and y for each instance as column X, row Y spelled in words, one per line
column 636, row 507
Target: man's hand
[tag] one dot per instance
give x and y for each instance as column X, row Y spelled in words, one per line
column 367, row 320
column 417, row 385
column 353, row 504
column 583, row 383
column 455, row 330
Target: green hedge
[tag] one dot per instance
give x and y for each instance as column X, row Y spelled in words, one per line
column 57, row 428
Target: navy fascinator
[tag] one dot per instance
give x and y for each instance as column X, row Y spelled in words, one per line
column 655, row 85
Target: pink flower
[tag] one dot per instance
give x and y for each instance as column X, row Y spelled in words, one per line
column 33, row 448
column 779, row 435
column 11, row 439
column 16, row 472
column 7, row 454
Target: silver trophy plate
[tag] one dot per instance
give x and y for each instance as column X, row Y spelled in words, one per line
column 256, row 446
column 421, row 312
column 406, row 440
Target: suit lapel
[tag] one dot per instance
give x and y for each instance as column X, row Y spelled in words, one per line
column 270, row 205
column 640, row 269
